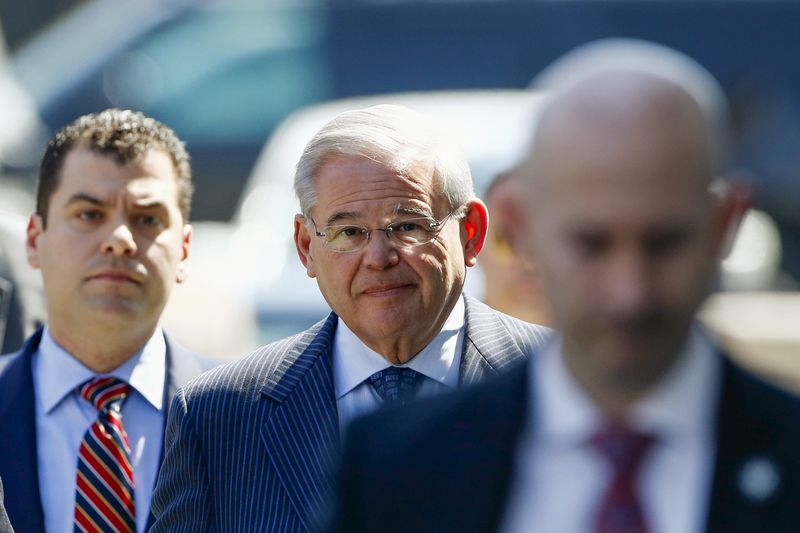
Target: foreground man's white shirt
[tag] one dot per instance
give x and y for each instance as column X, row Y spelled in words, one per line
column 559, row 480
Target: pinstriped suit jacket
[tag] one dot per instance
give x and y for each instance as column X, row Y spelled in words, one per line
column 252, row 445
column 5, row 525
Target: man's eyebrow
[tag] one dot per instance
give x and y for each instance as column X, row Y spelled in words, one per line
column 417, row 211
column 149, row 204
column 342, row 215
column 85, row 197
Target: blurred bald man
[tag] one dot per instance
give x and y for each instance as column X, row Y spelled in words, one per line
column 633, row 419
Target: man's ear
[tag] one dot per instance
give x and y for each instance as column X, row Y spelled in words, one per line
column 733, row 200
column 302, row 241
column 33, row 232
column 186, row 246
column 474, row 228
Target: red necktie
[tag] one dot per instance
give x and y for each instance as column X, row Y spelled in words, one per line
column 104, row 498
column 620, row 510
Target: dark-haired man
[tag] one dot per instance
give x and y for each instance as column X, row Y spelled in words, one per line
column 82, row 404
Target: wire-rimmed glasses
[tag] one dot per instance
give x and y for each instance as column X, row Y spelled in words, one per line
column 347, row 238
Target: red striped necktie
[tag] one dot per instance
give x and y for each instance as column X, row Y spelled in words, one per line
column 104, row 498
column 620, row 510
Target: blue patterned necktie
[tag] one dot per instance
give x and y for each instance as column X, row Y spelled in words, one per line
column 396, row 385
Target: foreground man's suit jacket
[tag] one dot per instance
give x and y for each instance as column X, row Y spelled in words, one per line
column 18, row 461
column 446, row 466
column 251, row 446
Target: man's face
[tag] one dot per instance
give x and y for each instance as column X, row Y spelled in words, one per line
column 114, row 242
column 387, row 294
column 626, row 238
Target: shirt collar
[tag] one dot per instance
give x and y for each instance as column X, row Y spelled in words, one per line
column 436, row 361
column 60, row 373
column 681, row 405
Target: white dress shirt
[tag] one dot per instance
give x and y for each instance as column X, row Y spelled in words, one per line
column 354, row 362
column 559, row 479
column 63, row 416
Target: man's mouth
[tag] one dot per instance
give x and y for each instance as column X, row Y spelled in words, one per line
column 387, row 290
column 115, row 276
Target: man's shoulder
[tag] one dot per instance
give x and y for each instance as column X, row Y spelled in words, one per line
column 5, row 361
column 15, row 359
column 747, row 395
column 487, row 317
column 250, row 373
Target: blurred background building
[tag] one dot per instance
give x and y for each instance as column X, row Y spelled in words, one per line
column 226, row 73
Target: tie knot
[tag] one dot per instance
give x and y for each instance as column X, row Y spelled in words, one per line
column 623, row 447
column 105, row 392
column 396, row 384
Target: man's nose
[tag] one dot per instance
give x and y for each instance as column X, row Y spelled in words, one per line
column 120, row 241
column 630, row 287
column 380, row 252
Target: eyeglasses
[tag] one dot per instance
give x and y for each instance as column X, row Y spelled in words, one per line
column 406, row 232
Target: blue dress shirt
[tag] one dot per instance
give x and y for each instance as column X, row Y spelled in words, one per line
column 62, row 418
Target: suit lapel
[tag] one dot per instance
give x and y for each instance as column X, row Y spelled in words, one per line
column 488, row 345
column 750, row 477
column 181, row 367
column 302, row 433
column 18, row 461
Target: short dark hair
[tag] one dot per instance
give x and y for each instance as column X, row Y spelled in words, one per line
column 125, row 135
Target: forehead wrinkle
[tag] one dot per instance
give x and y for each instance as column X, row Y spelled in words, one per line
column 399, row 209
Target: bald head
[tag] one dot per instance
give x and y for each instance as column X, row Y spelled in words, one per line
column 629, row 123
column 633, row 56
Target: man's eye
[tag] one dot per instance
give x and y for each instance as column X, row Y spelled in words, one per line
column 89, row 215
column 407, row 227
column 333, row 233
column 149, row 221
column 665, row 244
column 591, row 245
column 350, row 231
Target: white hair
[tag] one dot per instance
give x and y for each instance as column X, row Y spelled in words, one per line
column 392, row 135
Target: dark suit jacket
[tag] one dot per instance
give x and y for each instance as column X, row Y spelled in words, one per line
column 420, row 470
column 251, row 446
column 18, row 461
column 5, row 525
column 22, row 303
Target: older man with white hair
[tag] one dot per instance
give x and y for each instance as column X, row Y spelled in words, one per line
column 632, row 419
column 389, row 225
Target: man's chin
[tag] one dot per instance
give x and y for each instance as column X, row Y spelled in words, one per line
column 116, row 309
column 632, row 357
